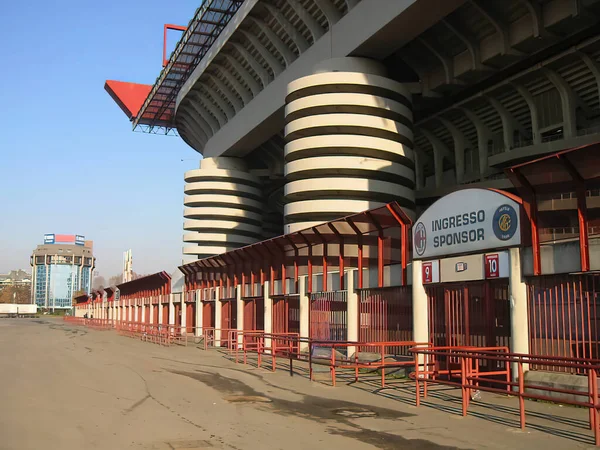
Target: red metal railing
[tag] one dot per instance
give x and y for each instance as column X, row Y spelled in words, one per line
column 220, row 337
column 564, row 317
column 385, row 314
column 469, row 378
column 329, row 315
column 98, row 324
column 287, row 346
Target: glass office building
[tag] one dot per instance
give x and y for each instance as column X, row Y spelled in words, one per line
column 62, row 266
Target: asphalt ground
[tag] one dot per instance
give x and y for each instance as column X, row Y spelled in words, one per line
column 68, row 387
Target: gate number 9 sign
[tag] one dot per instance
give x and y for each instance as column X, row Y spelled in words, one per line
column 427, row 272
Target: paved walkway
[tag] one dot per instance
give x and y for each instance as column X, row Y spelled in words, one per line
column 66, row 387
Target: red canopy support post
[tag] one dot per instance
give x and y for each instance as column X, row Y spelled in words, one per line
column 531, row 209
column 405, row 224
column 309, row 263
column 360, row 251
column 283, row 266
column 582, row 215
column 252, row 280
column 340, row 252
column 295, row 262
column 379, row 248
column 324, row 264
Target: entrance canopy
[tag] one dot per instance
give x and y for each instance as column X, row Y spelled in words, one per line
column 160, row 281
column 357, row 241
column 558, row 193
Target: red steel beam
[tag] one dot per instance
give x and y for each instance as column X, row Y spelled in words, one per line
column 309, row 265
column 531, row 209
column 360, row 251
column 582, row 215
column 166, row 28
column 324, row 263
column 341, row 253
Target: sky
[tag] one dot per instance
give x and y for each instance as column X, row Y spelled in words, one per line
column 69, row 161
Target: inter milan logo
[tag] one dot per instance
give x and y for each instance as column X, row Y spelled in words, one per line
column 420, row 239
column 505, row 222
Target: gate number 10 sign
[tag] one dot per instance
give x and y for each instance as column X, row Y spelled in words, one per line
column 492, row 266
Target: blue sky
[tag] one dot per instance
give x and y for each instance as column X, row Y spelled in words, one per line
column 70, row 162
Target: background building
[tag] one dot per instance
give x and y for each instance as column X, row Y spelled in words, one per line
column 15, row 278
column 62, row 266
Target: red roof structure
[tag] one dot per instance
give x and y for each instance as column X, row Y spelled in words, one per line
column 152, row 108
column 129, row 96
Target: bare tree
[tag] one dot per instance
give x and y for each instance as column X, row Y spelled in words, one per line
column 114, row 280
column 99, row 282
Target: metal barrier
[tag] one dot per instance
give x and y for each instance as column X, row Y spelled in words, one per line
column 220, row 337
column 288, row 346
column 97, row 324
column 469, row 378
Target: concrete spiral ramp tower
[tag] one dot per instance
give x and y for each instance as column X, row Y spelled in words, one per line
column 349, row 143
column 223, row 208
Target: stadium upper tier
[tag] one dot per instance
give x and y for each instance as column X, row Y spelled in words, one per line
column 405, row 98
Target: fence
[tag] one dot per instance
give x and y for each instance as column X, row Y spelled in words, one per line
column 563, row 317
column 329, row 315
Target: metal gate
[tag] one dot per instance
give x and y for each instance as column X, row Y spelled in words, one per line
column 286, row 314
column 254, row 316
column 177, row 308
column 228, row 315
column 208, row 314
column 385, row 314
column 470, row 314
column 155, row 314
column 329, row 316
column 190, row 317
column 564, row 317
column 165, row 314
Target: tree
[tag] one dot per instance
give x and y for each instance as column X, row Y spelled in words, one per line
column 16, row 294
column 114, row 280
column 99, row 282
column 118, row 279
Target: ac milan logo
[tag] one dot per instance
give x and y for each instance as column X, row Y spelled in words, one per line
column 420, row 239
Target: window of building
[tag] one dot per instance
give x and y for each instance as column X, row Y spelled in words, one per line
column 78, row 260
column 39, row 260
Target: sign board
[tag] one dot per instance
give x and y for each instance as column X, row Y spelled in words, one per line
column 49, row 239
column 467, row 221
column 431, row 272
column 79, row 240
column 492, row 266
column 496, row 265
